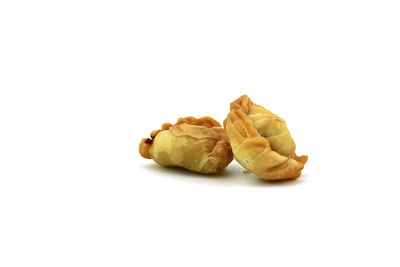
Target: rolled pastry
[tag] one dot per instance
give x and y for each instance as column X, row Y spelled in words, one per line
column 199, row 145
column 261, row 142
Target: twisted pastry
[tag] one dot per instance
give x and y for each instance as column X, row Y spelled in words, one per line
column 199, row 145
column 261, row 141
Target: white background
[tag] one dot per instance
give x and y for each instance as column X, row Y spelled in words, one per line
column 81, row 82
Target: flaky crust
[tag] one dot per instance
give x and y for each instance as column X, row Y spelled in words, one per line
column 199, row 145
column 261, row 142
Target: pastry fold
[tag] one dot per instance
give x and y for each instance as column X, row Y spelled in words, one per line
column 199, row 145
column 261, row 141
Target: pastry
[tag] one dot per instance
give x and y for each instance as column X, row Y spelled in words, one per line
column 199, row 145
column 261, row 142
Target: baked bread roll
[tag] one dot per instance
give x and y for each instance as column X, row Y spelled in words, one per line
column 199, row 145
column 261, row 141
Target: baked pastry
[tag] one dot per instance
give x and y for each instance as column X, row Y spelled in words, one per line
column 199, row 145
column 261, row 141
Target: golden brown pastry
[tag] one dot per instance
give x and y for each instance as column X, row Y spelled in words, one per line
column 261, row 141
column 199, row 145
